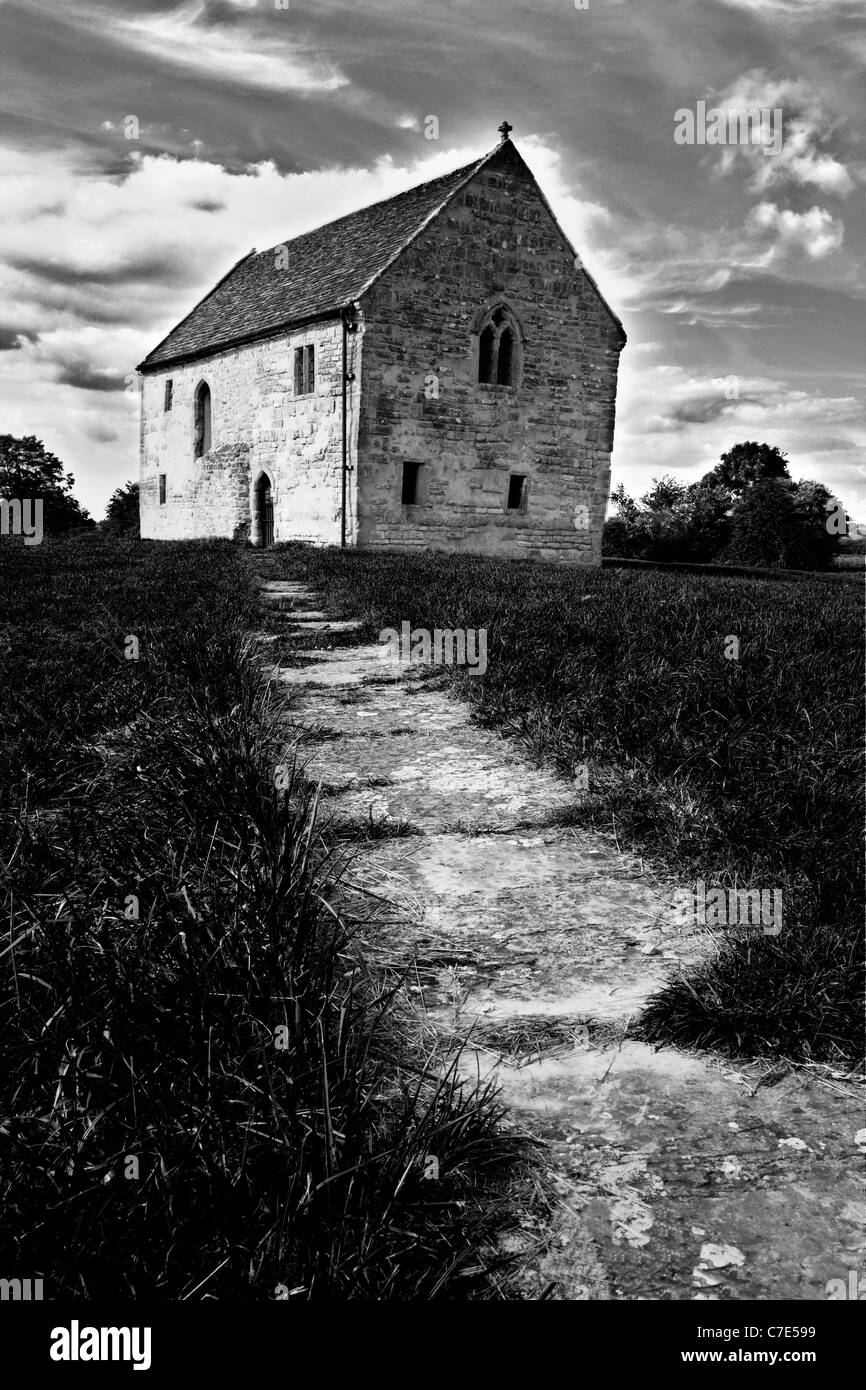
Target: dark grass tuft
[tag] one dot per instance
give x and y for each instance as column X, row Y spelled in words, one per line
column 206, row 1090
column 348, row 829
column 799, row 995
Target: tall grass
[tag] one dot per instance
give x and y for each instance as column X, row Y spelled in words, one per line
column 742, row 772
column 206, row 1091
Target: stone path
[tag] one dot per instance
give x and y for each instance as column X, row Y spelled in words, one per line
column 680, row 1176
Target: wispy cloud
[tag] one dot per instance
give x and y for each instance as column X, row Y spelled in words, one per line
column 236, row 45
column 815, row 231
column 807, row 125
column 794, row 9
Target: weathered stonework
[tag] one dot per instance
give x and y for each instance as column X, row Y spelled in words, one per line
column 414, row 396
column 258, row 425
column 495, row 241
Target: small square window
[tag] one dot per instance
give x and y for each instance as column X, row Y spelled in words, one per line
column 411, row 492
column 169, row 392
column 517, row 492
column 162, row 489
column 305, row 370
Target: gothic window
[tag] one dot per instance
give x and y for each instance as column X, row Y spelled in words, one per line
column 169, row 392
column 162, row 489
column 499, row 348
column 202, row 419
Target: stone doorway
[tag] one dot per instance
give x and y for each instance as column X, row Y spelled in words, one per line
column 262, row 531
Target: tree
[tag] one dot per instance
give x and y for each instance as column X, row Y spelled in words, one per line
column 626, row 506
column 708, row 509
column 28, row 470
column 772, row 528
column 772, row 520
column 746, row 464
column 664, row 525
column 121, row 513
column 746, row 511
column 665, row 495
column 618, row 536
column 622, row 534
column 814, row 502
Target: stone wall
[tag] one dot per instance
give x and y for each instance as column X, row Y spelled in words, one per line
column 257, row 423
column 496, row 240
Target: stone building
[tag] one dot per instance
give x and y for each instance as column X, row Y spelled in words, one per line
column 435, row 371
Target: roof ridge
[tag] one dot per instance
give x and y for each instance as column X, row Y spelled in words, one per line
column 330, row 266
column 474, row 166
column 411, row 211
column 468, row 171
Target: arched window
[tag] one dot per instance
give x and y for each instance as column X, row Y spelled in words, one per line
column 486, row 354
column 202, row 419
column 499, row 347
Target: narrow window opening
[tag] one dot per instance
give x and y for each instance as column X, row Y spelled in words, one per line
column 516, row 492
column 162, row 489
column 504, row 358
column 410, row 495
column 485, row 354
column 202, row 420
column 305, row 370
column 169, row 392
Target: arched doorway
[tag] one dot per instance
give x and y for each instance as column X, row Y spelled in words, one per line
column 262, row 530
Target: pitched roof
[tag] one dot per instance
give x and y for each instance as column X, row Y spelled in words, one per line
column 327, row 268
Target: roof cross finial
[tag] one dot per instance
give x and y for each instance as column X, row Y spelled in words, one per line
column 505, row 130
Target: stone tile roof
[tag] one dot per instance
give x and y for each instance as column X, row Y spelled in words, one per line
column 326, row 269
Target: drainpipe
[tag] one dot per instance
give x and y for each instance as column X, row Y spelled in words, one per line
column 349, row 326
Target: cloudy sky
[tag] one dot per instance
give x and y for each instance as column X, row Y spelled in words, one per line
column 145, row 147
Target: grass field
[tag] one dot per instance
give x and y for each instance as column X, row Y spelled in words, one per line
column 742, row 772
column 206, row 1091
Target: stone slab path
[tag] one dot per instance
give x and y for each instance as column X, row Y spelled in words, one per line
column 679, row 1176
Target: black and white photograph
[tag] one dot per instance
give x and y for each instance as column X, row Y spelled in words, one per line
column 432, row 558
